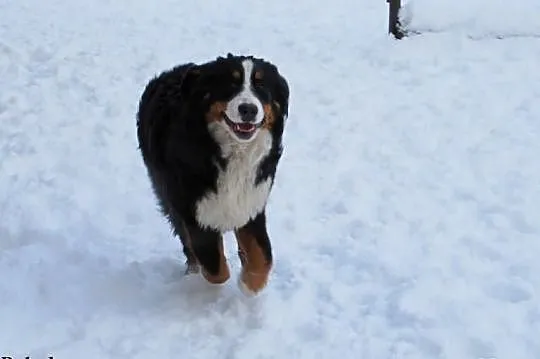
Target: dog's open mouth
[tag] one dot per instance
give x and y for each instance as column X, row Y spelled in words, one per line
column 243, row 130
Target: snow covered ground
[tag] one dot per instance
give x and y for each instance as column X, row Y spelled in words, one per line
column 405, row 217
column 475, row 18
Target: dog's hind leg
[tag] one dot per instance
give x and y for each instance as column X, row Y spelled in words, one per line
column 180, row 229
column 192, row 266
column 176, row 221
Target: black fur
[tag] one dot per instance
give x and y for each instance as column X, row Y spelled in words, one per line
column 181, row 156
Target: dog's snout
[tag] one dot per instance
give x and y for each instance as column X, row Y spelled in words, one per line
column 248, row 112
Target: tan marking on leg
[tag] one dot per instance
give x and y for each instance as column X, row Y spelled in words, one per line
column 255, row 267
column 215, row 113
column 224, row 274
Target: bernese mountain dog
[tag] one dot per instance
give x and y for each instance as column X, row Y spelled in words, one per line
column 210, row 136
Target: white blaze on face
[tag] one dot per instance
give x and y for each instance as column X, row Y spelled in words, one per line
column 246, row 96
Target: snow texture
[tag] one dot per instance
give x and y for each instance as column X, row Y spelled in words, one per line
column 477, row 18
column 405, row 214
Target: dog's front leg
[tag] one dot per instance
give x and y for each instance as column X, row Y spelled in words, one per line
column 255, row 251
column 207, row 246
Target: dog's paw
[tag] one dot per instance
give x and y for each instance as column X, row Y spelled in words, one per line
column 192, row 268
column 245, row 289
column 251, row 284
column 220, row 277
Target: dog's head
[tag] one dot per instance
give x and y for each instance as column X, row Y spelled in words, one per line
column 239, row 95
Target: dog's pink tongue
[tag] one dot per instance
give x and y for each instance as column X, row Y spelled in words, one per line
column 245, row 127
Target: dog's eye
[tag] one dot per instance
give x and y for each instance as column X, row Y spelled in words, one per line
column 258, row 83
column 262, row 92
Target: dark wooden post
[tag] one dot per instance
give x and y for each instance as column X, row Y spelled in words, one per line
column 394, row 26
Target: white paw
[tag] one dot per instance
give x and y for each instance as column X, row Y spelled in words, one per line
column 244, row 288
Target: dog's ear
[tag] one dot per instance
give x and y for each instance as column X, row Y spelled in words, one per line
column 282, row 95
column 189, row 80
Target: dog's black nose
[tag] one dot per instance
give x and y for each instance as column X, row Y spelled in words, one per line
column 248, row 112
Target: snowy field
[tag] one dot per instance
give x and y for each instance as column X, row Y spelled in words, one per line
column 406, row 214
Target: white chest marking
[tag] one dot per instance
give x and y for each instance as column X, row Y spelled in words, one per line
column 238, row 198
